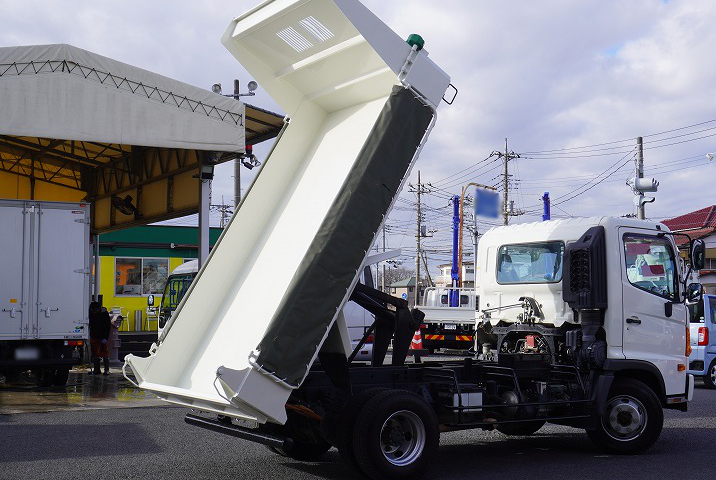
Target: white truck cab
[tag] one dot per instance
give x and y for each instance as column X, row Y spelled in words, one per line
column 642, row 317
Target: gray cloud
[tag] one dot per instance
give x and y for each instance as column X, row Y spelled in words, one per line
column 549, row 75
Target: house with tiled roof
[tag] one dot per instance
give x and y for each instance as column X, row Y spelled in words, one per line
column 699, row 224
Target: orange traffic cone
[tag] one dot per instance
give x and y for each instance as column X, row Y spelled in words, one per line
column 417, row 343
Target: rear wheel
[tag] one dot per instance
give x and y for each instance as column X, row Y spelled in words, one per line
column 395, row 435
column 520, row 429
column 347, row 424
column 710, row 377
column 59, row 376
column 632, row 420
column 304, row 451
column 308, row 444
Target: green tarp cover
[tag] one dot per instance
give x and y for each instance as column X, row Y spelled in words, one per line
column 328, row 270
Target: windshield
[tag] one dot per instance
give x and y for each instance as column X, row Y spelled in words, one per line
column 530, row 263
column 174, row 291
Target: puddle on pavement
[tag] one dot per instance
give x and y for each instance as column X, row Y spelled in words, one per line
column 82, row 392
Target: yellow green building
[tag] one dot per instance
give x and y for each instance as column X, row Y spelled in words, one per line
column 135, row 263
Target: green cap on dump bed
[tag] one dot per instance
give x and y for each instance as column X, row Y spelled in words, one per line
column 415, row 39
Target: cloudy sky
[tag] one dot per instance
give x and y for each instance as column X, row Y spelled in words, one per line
column 571, row 84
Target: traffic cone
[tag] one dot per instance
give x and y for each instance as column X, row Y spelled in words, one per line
column 417, row 343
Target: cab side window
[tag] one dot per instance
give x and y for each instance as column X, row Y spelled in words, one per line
column 651, row 265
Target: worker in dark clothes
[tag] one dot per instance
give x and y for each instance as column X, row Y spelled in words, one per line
column 99, row 325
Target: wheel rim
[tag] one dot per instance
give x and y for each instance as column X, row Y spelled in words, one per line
column 402, row 438
column 625, row 418
column 713, row 374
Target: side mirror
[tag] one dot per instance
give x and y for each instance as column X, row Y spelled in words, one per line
column 698, row 254
column 694, row 293
column 150, row 301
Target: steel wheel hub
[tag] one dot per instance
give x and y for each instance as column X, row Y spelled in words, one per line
column 402, row 438
column 625, row 418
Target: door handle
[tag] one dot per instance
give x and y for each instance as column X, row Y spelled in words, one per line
column 13, row 311
column 48, row 310
column 633, row 320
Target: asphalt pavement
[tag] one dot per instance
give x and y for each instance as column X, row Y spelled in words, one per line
column 152, row 441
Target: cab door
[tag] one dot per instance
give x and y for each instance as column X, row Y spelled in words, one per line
column 654, row 328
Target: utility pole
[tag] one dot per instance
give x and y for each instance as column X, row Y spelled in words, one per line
column 237, row 161
column 382, row 279
column 639, row 184
column 507, row 155
column 418, row 189
column 640, row 209
column 506, row 183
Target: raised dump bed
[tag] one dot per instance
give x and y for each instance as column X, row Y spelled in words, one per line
column 361, row 103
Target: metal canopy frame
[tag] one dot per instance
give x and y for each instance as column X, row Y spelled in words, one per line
column 102, row 170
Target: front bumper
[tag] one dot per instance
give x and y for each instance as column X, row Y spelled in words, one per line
column 697, row 361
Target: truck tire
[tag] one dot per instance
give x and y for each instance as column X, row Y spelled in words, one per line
column 710, row 377
column 520, row 429
column 59, row 377
column 347, row 424
column 395, row 435
column 303, row 451
column 308, row 444
column 632, row 419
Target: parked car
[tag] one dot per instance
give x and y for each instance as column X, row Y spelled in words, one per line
column 702, row 361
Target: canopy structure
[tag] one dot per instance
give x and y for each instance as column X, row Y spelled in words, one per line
column 75, row 125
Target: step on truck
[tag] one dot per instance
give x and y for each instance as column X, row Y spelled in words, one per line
column 275, row 365
column 44, row 288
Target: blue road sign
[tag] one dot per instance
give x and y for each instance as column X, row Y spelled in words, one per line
column 487, row 203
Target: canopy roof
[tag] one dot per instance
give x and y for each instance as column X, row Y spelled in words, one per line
column 76, row 125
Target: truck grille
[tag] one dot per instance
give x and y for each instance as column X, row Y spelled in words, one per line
column 579, row 271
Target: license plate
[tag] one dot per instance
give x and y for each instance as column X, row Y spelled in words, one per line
column 450, row 327
column 27, row 354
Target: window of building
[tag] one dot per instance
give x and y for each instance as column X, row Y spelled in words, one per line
column 140, row 276
column 650, row 264
column 530, row 263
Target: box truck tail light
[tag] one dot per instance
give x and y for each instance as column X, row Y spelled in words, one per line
column 74, row 343
column 370, row 339
column 688, row 341
column 703, row 336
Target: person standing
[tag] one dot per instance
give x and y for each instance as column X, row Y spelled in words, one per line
column 99, row 325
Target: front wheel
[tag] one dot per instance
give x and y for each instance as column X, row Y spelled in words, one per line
column 710, row 377
column 631, row 421
column 395, row 435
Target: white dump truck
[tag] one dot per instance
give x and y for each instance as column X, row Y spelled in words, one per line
column 44, row 287
column 268, row 358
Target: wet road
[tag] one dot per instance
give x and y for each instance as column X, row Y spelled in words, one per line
column 83, row 392
column 87, row 435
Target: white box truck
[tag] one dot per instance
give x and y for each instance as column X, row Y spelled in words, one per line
column 266, row 357
column 44, row 287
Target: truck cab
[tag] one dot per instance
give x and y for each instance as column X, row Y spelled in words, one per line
column 702, row 361
column 636, row 301
column 176, row 287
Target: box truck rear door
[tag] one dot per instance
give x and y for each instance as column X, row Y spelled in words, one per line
column 61, row 271
column 14, row 248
